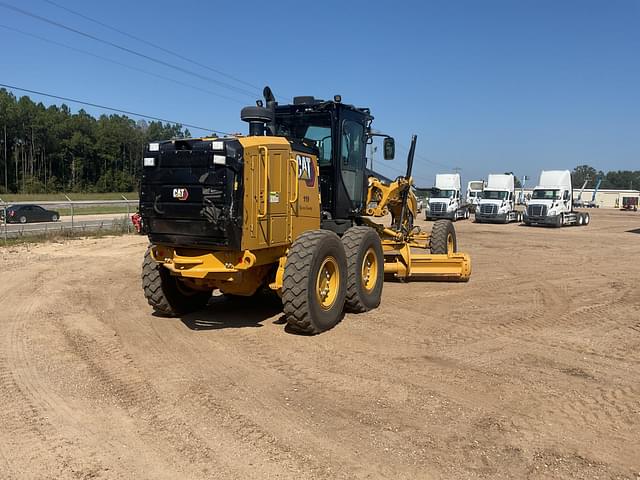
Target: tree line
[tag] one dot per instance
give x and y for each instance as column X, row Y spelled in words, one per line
column 618, row 179
column 49, row 149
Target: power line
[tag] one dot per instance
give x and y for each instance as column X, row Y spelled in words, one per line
column 96, row 105
column 424, row 159
column 147, row 72
column 151, row 44
column 128, row 50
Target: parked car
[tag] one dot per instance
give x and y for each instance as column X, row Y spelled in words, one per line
column 29, row 213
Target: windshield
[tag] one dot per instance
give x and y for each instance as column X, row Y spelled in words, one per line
column 443, row 194
column 494, row 195
column 546, row 194
column 312, row 128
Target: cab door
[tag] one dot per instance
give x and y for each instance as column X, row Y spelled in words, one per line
column 352, row 159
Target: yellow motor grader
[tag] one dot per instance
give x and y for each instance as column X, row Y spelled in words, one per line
column 288, row 208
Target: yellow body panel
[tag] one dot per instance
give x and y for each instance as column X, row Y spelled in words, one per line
column 281, row 198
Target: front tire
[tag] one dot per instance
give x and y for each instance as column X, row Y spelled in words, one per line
column 443, row 238
column 365, row 268
column 315, row 282
column 559, row 221
column 166, row 294
column 54, row 217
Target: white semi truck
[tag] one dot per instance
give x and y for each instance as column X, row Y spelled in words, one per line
column 551, row 202
column 474, row 193
column 445, row 200
column 498, row 202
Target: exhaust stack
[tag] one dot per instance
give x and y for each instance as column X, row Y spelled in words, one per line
column 261, row 118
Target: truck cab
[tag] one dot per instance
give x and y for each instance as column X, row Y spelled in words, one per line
column 446, row 199
column 552, row 201
column 474, row 194
column 498, row 202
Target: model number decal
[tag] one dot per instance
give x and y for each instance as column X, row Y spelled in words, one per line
column 306, row 170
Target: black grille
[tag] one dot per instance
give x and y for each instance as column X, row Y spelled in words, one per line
column 488, row 209
column 438, row 207
column 537, row 210
column 188, row 200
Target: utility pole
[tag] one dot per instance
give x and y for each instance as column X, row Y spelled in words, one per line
column 372, row 149
column 6, row 161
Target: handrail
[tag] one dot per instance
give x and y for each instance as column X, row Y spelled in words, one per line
column 296, row 180
column 266, row 181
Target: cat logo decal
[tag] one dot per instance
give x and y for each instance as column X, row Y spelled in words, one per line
column 306, row 170
column 180, row 193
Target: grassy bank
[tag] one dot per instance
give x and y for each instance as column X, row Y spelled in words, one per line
column 96, row 210
column 53, row 197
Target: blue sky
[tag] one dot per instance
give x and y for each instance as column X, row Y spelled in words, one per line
column 488, row 86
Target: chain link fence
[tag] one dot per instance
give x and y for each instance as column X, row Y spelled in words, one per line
column 79, row 218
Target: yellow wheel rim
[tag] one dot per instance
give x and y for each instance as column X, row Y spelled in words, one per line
column 369, row 275
column 328, row 283
column 450, row 246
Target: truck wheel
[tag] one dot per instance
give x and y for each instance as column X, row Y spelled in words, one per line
column 315, row 282
column 586, row 219
column 559, row 221
column 167, row 295
column 443, row 238
column 579, row 219
column 365, row 268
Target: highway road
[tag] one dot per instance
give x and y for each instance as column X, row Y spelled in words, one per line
column 80, row 222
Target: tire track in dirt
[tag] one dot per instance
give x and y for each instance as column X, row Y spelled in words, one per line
column 28, row 423
column 307, row 390
column 155, row 414
column 239, row 429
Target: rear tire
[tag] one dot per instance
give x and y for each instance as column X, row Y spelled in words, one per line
column 365, row 268
column 580, row 219
column 23, row 219
column 315, row 282
column 443, row 238
column 166, row 294
column 586, row 219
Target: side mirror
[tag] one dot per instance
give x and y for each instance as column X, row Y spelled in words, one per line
column 389, row 148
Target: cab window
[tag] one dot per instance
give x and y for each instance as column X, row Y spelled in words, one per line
column 352, row 158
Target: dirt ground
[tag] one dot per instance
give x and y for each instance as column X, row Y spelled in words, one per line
column 530, row 370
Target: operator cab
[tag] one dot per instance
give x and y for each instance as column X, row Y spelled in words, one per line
column 338, row 134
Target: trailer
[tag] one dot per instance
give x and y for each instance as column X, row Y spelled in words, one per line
column 629, row 203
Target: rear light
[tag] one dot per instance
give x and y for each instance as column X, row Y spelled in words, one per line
column 12, row 213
